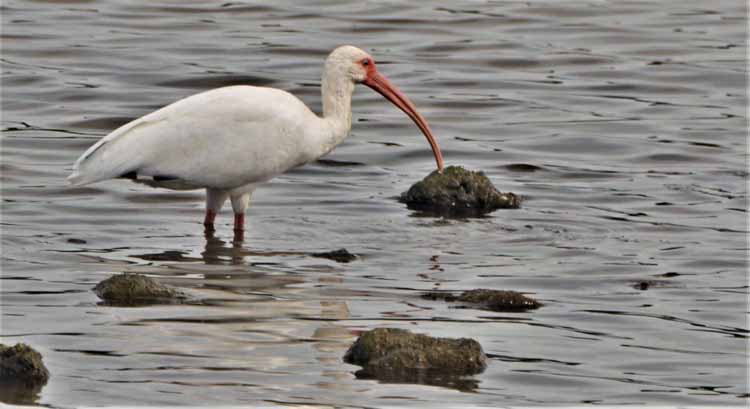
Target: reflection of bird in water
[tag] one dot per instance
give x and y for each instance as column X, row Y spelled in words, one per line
column 216, row 250
column 229, row 140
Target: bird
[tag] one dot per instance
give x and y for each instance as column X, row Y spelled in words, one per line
column 231, row 139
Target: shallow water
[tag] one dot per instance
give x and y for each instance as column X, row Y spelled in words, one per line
column 623, row 124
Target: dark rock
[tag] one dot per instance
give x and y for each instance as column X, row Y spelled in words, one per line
column 22, row 374
column 129, row 289
column 457, row 192
column 648, row 284
column 398, row 355
column 493, row 300
column 340, row 255
column 499, row 300
column 439, row 295
column 77, row 241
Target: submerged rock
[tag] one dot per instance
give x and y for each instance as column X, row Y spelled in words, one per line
column 398, row 355
column 129, row 289
column 458, row 192
column 22, row 374
column 340, row 255
column 493, row 300
column 647, row 284
column 499, row 300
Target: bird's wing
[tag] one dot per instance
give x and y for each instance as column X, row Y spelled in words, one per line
column 218, row 138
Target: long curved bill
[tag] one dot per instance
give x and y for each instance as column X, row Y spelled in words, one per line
column 379, row 83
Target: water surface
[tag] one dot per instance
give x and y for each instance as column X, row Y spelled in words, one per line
column 623, row 124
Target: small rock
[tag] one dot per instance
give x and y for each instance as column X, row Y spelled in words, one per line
column 398, row 355
column 22, row 374
column 499, row 300
column 129, row 289
column 77, row 241
column 457, row 192
column 493, row 300
column 439, row 295
column 340, row 255
column 648, row 284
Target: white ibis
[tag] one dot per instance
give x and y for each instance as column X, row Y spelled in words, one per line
column 230, row 139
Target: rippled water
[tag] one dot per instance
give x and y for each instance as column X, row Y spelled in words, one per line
column 623, row 124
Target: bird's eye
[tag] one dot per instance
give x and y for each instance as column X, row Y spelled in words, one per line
column 365, row 62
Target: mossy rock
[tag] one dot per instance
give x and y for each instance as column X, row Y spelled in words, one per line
column 130, row 289
column 458, row 192
column 22, row 374
column 499, row 300
column 398, row 355
column 493, row 300
column 22, row 363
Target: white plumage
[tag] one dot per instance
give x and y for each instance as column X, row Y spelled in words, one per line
column 230, row 139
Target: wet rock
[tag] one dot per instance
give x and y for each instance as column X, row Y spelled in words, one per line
column 644, row 285
column 398, row 355
column 457, row 192
column 493, row 300
column 129, row 289
column 499, row 300
column 340, row 255
column 22, row 374
column 439, row 296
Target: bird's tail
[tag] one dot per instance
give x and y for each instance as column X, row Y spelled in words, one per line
column 78, row 179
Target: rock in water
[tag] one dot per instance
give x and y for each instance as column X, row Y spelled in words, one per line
column 458, row 192
column 492, row 300
column 22, row 363
column 129, row 289
column 499, row 300
column 340, row 255
column 22, row 374
column 398, row 355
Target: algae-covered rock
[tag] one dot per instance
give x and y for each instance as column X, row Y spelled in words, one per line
column 340, row 255
column 129, row 289
column 398, row 355
column 457, row 192
column 23, row 363
column 499, row 300
column 493, row 300
column 22, row 374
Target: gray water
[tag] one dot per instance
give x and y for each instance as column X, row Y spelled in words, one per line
column 622, row 124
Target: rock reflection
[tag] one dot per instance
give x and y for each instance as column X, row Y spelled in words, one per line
column 431, row 378
column 19, row 392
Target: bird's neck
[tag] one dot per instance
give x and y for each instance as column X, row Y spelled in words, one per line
column 337, row 93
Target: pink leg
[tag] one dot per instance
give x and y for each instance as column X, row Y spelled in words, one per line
column 209, row 220
column 239, row 227
column 239, row 221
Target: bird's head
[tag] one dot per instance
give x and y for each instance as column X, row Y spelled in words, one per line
column 351, row 62
column 359, row 67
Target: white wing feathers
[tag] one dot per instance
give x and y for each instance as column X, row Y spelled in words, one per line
column 113, row 156
column 220, row 138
